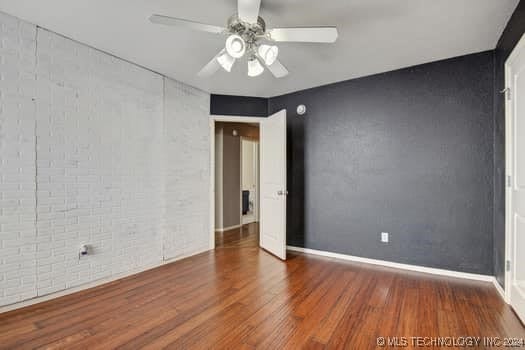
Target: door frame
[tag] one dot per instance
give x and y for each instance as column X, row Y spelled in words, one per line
column 509, row 165
column 256, row 171
column 213, row 120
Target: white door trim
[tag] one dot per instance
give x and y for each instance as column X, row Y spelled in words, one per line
column 509, row 139
column 255, row 166
column 240, row 180
column 213, row 120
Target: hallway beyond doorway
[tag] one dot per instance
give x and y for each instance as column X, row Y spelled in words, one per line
column 246, row 236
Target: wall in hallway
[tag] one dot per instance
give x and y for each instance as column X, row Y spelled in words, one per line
column 231, row 177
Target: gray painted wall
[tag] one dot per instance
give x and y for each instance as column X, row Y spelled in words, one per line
column 409, row 152
column 231, row 180
column 218, row 178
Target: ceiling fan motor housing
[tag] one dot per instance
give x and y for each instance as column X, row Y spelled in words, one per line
column 249, row 32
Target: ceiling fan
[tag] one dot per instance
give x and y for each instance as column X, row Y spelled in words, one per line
column 247, row 35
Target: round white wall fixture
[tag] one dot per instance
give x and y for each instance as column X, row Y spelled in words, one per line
column 301, row 109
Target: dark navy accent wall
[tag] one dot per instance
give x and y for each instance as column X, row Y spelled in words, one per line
column 238, row 106
column 409, row 152
column 510, row 37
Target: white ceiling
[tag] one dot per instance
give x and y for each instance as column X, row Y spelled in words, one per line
column 374, row 35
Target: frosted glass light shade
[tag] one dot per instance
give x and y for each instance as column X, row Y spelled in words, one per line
column 255, row 67
column 226, row 61
column 235, row 46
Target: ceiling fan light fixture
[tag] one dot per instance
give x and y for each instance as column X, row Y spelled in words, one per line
column 226, row 61
column 235, row 46
column 268, row 53
column 246, row 34
column 255, row 67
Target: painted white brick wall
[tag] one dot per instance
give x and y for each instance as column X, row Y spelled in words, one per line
column 109, row 154
column 187, row 166
column 99, row 132
column 17, row 160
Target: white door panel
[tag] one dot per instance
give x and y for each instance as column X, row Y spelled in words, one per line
column 273, row 184
column 515, row 80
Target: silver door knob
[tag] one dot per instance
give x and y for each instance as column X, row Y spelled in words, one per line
column 282, row 193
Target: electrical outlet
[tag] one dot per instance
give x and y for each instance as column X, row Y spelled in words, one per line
column 83, row 251
column 384, row 237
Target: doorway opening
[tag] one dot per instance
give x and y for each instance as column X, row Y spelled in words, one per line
column 236, row 184
column 265, row 208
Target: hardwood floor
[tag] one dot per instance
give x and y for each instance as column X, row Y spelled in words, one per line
column 240, row 297
column 245, row 236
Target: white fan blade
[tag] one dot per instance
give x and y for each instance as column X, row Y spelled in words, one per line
column 248, row 10
column 304, row 34
column 211, row 67
column 277, row 69
column 182, row 23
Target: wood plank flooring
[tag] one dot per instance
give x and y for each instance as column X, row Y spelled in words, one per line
column 240, row 297
column 245, row 236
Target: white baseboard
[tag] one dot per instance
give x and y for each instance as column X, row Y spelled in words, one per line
column 227, row 228
column 500, row 289
column 248, row 219
column 430, row 270
column 92, row 284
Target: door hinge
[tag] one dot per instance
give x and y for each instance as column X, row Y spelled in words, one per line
column 507, row 265
column 507, row 93
column 509, row 181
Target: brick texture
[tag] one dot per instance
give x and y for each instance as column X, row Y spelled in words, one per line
column 17, row 160
column 187, row 166
column 94, row 150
